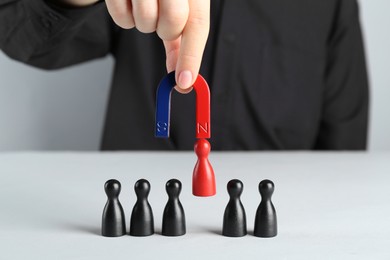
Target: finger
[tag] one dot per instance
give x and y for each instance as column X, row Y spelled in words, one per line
column 172, row 52
column 193, row 42
column 183, row 91
column 121, row 12
column 172, row 18
column 145, row 13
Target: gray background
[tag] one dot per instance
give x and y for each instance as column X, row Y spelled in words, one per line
column 64, row 110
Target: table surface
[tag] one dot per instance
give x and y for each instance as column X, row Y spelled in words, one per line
column 329, row 205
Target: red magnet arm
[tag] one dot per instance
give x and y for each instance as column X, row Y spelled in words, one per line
column 202, row 90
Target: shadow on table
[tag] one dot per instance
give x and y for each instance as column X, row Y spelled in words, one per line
column 219, row 232
column 215, row 231
column 83, row 229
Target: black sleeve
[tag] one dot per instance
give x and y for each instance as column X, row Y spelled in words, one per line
column 345, row 110
column 50, row 37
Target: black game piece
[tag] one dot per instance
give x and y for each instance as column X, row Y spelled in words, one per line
column 234, row 219
column 141, row 222
column 113, row 220
column 174, row 223
column 265, row 220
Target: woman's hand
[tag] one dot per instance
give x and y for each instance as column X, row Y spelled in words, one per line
column 183, row 25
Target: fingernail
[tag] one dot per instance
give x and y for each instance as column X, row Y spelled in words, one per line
column 185, row 79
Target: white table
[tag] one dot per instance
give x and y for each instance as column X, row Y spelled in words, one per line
column 329, row 205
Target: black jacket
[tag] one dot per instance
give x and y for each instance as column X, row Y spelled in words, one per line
column 283, row 74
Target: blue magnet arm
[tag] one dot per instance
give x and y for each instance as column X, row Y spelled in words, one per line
column 163, row 105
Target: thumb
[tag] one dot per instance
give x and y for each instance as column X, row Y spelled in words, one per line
column 172, row 49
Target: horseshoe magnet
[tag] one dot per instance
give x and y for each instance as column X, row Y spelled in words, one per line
column 163, row 106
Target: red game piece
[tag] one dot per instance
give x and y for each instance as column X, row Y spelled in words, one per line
column 203, row 179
